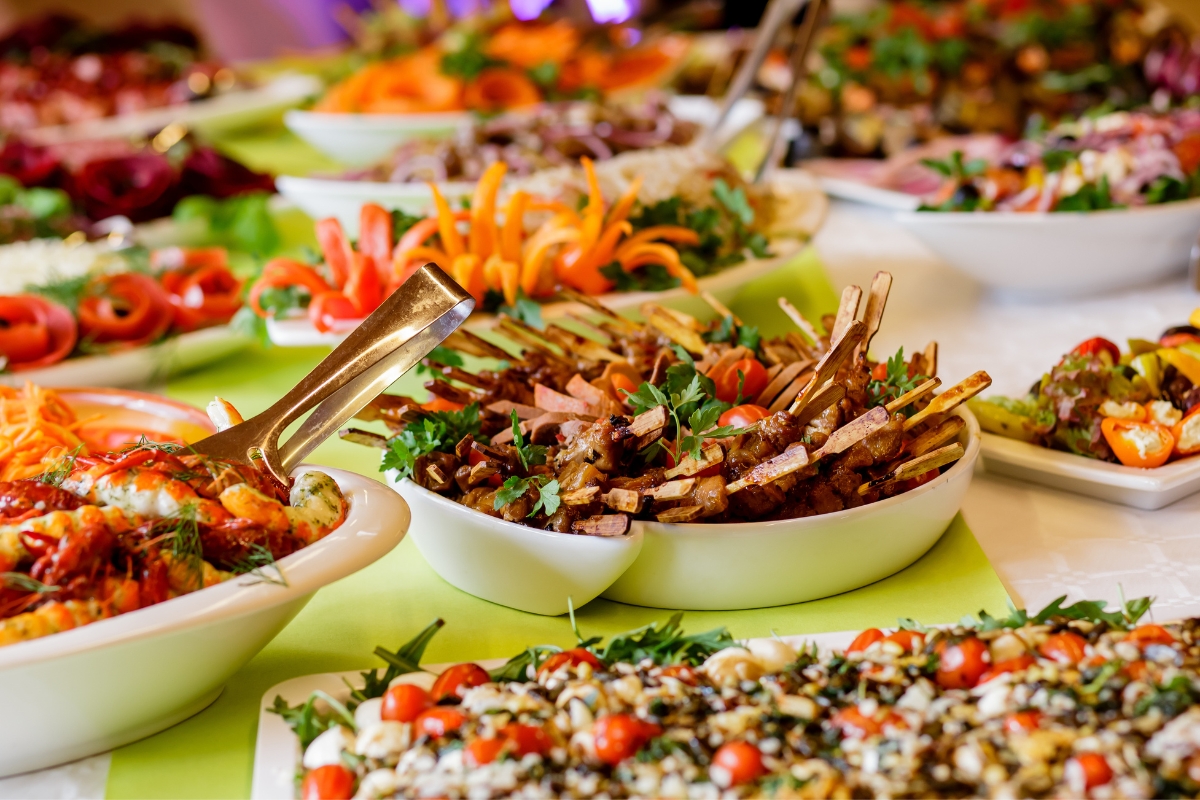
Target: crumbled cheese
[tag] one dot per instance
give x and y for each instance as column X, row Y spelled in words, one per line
column 43, row 261
column 1143, row 439
column 1161, row 412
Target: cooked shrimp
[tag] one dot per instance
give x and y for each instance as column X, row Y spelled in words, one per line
column 54, row 526
column 223, row 414
column 317, row 507
column 143, row 493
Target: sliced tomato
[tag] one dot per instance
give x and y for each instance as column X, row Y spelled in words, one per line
column 620, row 736
column 484, row 751
column 1065, row 647
column 439, row 721
column 202, row 296
column 128, row 308
column 330, row 782
column 527, row 739
column 34, row 332
column 864, row 640
column 961, row 664
column 743, row 416
column 912, row 641
column 1089, row 770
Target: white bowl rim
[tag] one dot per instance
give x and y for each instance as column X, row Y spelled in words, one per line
column 1036, row 217
column 309, row 184
column 342, row 119
column 964, row 464
column 306, row 571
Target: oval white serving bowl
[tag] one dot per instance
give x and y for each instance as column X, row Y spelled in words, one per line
column 760, row 564
column 513, row 565
column 359, row 140
column 321, row 197
column 94, row 688
column 1062, row 254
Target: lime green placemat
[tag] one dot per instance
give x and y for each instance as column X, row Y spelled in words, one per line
column 211, row 755
column 276, row 150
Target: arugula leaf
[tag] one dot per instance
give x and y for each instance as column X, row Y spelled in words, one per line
column 526, row 310
column 1090, row 610
column 734, row 201
column 438, row 431
column 896, row 384
column 665, row 644
column 440, row 355
column 1090, row 197
column 517, row 667
column 307, row 721
column 406, row 659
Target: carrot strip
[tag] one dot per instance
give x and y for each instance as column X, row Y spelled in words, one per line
column 621, row 210
column 670, row 233
column 452, row 241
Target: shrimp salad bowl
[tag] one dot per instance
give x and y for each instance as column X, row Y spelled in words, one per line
column 136, row 583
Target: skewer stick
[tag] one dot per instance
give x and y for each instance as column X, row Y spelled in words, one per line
column 719, row 307
column 671, row 490
column 847, row 311
column 830, row 395
column 793, row 459
column 828, row 366
column 572, row 342
column 365, row 438
column 781, row 380
column 590, row 326
column 935, row 437
column 602, row 525
column 681, row 335
column 881, row 285
column 951, row 398
column 713, row 454
column 600, row 308
column 931, row 355
column 686, row 320
column 853, row 432
column 649, row 425
column 913, row 395
column 457, row 374
column 801, row 322
column 580, row 497
column 475, row 345
column 626, row 500
column 681, row 514
column 916, row 467
column 790, row 392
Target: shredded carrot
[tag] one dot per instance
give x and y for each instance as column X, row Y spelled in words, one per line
column 36, row 428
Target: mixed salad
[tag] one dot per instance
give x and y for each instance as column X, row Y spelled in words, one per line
column 89, row 536
column 1074, row 701
column 1116, row 160
column 1140, row 408
column 673, row 420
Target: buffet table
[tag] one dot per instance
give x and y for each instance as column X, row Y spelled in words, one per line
column 1033, row 544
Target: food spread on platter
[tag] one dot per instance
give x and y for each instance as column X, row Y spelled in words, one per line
column 1140, row 408
column 64, row 298
column 492, row 64
column 1074, row 701
column 544, row 237
column 889, row 75
column 1117, row 160
column 673, row 420
column 85, row 536
column 551, row 135
column 56, row 70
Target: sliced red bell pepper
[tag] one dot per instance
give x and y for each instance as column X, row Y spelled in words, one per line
column 280, row 273
column 35, row 332
column 336, row 249
column 329, row 308
column 1097, row 345
column 375, row 239
column 128, row 308
column 204, row 296
column 363, row 287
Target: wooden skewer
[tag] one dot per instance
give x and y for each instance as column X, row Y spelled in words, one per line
column 881, row 285
column 475, row 345
column 937, row 436
column 649, row 425
column 917, row 467
column 600, row 308
column 457, row 374
column 684, row 337
column 828, row 366
column 713, row 454
column 806, row 327
column 793, row 459
column 681, row 514
column 790, row 392
column 719, row 307
column 602, row 525
column 913, row 395
column 436, row 474
column 780, row 381
column 847, row 311
column 830, row 395
column 671, row 490
column 853, row 432
column 448, row 391
column 590, row 326
column 587, row 348
column 580, row 497
column 951, row 398
column 366, row 438
column 686, row 320
column 520, row 332
column 626, row 500
column 931, row 357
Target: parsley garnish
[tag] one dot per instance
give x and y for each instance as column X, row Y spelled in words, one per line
column 515, row 487
column 530, row 454
column 440, row 355
column 954, row 166
column 468, row 60
column 524, row 309
column 401, row 222
column 437, row 431
column 897, row 383
column 744, row 335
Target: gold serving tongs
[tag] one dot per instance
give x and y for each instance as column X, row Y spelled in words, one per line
column 426, row 309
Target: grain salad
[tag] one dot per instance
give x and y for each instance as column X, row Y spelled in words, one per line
column 1073, row 701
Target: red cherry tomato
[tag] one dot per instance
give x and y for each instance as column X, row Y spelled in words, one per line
column 858, row 725
column 741, row 761
column 1137, row 671
column 743, row 416
column 1008, row 665
column 754, row 382
column 680, row 672
column 128, row 308
column 1090, row 769
column 330, row 782
column 1065, row 647
column 1144, row 635
column 404, row 702
column 619, row 736
column 527, row 739
column 622, row 383
column 920, row 480
column 573, row 657
column 1097, row 345
column 438, row 721
column 912, row 641
column 484, row 751
column 1022, row 721
column 456, row 680
column 864, row 640
column 962, row 663
column 35, row 332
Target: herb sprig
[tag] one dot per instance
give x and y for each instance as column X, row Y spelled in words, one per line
column 438, row 431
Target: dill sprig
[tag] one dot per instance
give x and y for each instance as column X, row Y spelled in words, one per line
column 20, row 582
column 181, row 537
column 255, row 563
column 56, row 473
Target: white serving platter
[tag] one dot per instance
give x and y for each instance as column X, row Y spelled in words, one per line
column 138, row 366
column 323, row 197
column 95, row 688
column 359, row 140
column 859, row 192
column 230, row 111
column 724, row 285
column 1147, row 489
column 277, row 750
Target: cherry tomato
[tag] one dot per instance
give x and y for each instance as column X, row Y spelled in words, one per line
column 404, row 702
column 680, row 672
column 622, row 383
column 619, row 736
column 330, row 782
column 441, row 404
column 1090, row 769
column 1144, row 635
column 573, row 657
column 527, row 739
column 438, row 721
column 864, row 640
column 484, row 751
column 1137, row 671
column 754, row 382
column 1065, row 647
column 856, row 724
column 1022, row 721
column 740, row 761
column 743, row 416
column 912, row 641
column 1097, row 345
column 1008, row 665
column 962, row 663
column 920, row 480
column 456, row 680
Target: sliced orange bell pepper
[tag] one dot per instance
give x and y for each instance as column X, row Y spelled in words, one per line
column 668, row 233
column 514, row 226
column 467, row 270
column 654, row 253
column 1187, row 434
column 1138, row 444
column 336, row 249
column 536, row 249
column 452, row 241
column 363, row 287
column 510, row 278
column 621, row 210
column 483, row 235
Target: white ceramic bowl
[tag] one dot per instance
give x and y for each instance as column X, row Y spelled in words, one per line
column 759, row 564
column 98, row 687
column 1062, row 254
column 359, row 140
column 322, row 197
column 510, row 564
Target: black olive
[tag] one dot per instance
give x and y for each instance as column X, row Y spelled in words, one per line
column 965, row 193
column 1181, row 329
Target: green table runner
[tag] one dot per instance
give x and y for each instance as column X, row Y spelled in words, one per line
column 211, row 754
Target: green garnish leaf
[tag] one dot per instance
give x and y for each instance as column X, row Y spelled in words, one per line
column 438, row 431
column 405, row 659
